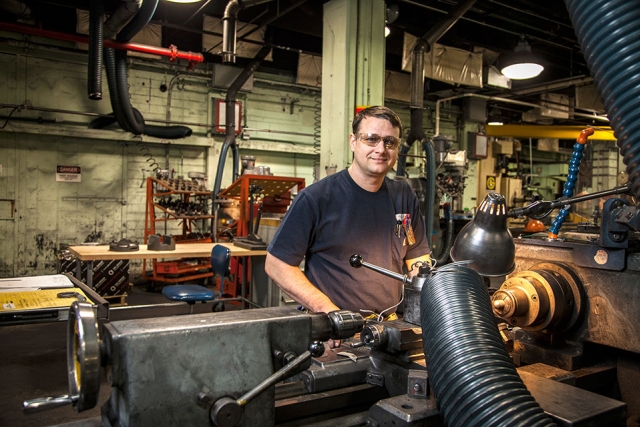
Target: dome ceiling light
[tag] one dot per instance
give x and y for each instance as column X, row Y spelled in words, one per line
column 522, row 63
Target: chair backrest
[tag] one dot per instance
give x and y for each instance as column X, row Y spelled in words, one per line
column 220, row 257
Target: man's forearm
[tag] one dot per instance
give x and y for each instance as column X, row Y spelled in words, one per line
column 291, row 280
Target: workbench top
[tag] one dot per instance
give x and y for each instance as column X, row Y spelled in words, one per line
column 183, row 250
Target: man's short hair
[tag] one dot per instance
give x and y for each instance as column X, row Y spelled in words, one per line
column 379, row 112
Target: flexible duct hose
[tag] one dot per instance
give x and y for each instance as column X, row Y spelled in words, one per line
column 474, row 380
column 139, row 21
column 94, row 74
column 443, row 255
column 430, row 197
column 416, row 133
column 608, row 34
column 174, row 132
column 134, row 122
column 230, row 128
column 110, row 67
column 134, row 125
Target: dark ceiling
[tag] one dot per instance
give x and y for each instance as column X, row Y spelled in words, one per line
column 296, row 25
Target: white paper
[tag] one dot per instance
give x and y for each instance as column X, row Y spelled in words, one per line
column 36, row 282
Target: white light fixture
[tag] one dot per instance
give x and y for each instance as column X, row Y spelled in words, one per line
column 521, row 63
column 495, row 123
column 386, row 31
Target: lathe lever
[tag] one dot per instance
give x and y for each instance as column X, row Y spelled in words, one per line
column 41, row 404
column 226, row 412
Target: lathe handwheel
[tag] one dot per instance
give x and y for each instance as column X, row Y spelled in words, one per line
column 83, row 356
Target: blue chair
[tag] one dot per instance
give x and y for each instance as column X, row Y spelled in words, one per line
column 191, row 294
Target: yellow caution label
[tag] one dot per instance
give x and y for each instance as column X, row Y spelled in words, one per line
column 44, row 298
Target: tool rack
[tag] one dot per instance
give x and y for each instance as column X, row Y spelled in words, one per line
column 273, row 187
column 173, row 200
column 276, row 197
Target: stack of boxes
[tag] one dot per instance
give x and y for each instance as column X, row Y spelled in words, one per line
column 110, row 278
column 605, row 170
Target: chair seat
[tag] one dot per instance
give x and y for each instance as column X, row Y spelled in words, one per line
column 188, row 293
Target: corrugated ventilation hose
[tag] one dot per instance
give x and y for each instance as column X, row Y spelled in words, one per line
column 130, row 119
column 608, row 34
column 474, row 380
column 94, row 76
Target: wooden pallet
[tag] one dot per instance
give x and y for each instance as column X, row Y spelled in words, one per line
column 116, row 300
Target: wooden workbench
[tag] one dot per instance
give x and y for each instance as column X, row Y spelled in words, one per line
column 90, row 253
column 183, row 250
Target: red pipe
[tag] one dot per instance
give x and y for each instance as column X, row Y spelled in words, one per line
column 172, row 51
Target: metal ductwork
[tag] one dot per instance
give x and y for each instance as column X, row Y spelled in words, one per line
column 229, row 21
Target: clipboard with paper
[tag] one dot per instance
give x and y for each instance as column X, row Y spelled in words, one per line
column 44, row 298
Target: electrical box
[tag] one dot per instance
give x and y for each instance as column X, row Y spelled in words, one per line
column 549, row 144
column 475, row 110
column 503, row 146
column 478, row 144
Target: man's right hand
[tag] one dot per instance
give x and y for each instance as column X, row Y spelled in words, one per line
column 334, row 343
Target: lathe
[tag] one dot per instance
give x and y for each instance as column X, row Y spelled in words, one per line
column 447, row 362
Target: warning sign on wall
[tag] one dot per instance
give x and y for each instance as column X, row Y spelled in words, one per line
column 491, row 182
column 68, row 174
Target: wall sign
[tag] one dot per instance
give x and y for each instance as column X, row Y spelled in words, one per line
column 68, row 174
column 491, row 182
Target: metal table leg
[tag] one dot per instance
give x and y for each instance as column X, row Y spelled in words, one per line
column 90, row 274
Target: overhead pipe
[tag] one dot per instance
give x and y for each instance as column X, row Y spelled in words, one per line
column 416, row 131
column 507, row 101
column 171, row 52
column 229, row 23
column 230, row 129
column 608, row 35
column 506, row 29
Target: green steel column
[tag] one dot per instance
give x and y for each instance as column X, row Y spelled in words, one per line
column 353, row 72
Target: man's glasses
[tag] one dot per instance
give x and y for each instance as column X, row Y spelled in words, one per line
column 373, row 139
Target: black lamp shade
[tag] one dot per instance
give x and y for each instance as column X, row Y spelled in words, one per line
column 486, row 240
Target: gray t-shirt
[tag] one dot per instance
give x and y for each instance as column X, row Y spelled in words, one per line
column 333, row 219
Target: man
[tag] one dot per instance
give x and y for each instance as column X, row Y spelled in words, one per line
column 355, row 211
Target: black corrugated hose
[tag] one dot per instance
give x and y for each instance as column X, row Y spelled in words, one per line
column 474, row 381
column 608, row 34
column 94, row 75
column 443, row 255
column 129, row 118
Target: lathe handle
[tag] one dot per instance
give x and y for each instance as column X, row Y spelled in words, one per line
column 41, row 404
column 226, row 412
